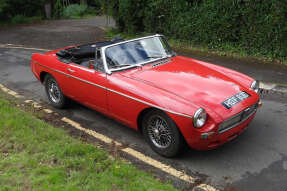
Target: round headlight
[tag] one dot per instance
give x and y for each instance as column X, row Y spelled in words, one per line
column 199, row 118
column 255, row 86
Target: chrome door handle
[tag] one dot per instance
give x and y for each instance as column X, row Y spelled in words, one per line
column 70, row 70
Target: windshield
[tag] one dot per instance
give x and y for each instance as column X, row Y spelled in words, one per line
column 135, row 53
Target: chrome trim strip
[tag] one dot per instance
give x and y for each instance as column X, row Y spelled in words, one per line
column 151, row 36
column 144, row 102
column 114, row 91
column 82, row 68
column 105, row 62
column 103, row 50
column 72, row 76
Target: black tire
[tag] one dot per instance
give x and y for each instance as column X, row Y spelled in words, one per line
column 54, row 93
column 167, row 140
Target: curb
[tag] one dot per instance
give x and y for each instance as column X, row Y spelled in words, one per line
column 280, row 88
column 179, row 174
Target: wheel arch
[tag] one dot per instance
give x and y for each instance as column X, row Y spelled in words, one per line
column 147, row 110
column 142, row 114
column 43, row 74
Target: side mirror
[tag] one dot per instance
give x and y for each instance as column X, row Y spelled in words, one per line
column 91, row 64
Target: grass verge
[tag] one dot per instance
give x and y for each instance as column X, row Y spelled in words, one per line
column 37, row 156
column 227, row 50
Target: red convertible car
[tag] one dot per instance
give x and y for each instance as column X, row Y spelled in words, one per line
column 173, row 100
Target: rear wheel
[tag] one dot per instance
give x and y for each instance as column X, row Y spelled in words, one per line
column 162, row 134
column 54, row 92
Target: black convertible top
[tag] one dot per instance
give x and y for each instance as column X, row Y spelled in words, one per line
column 85, row 51
column 106, row 43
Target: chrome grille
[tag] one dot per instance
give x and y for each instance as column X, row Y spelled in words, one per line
column 237, row 119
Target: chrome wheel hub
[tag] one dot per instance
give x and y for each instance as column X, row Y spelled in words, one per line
column 156, row 132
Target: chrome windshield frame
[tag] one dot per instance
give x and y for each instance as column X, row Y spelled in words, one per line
column 103, row 50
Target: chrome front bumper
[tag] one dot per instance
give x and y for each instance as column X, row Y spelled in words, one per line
column 238, row 118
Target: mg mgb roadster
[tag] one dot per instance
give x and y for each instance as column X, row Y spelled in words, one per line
column 173, row 100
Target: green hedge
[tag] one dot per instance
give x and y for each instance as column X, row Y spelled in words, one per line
column 74, row 10
column 17, row 8
column 258, row 27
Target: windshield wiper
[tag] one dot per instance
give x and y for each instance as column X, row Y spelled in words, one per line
column 155, row 56
column 159, row 56
column 123, row 65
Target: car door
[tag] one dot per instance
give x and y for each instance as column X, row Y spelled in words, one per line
column 88, row 86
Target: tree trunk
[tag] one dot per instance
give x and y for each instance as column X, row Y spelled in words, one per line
column 48, row 9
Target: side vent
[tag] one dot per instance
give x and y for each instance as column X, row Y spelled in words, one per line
column 160, row 63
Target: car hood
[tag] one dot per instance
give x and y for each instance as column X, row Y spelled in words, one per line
column 192, row 81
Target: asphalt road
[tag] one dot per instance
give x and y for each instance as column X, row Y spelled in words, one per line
column 256, row 160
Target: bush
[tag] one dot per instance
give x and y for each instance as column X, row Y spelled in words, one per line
column 93, row 11
column 20, row 19
column 27, row 8
column 258, row 27
column 74, row 11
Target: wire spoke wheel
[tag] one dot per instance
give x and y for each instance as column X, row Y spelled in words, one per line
column 159, row 132
column 54, row 91
column 162, row 134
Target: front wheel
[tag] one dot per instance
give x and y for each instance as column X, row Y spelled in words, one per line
column 162, row 134
column 54, row 92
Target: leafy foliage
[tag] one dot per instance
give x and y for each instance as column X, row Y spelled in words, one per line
column 258, row 27
column 14, row 10
column 75, row 10
column 26, row 8
column 20, row 19
column 58, row 9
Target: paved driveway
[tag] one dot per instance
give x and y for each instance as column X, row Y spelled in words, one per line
column 257, row 160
